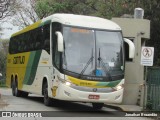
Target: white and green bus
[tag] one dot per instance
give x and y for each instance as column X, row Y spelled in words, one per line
column 69, row 57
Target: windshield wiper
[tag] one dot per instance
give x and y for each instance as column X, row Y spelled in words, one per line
column 103, row 65
column 89, row 61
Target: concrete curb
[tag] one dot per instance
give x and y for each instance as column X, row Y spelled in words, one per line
column 113, row 107
column 124, row 108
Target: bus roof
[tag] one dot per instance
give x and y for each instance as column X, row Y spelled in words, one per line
column 74, row 20
column 83, row 21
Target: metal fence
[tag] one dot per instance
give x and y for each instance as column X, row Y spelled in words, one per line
column 153, row 88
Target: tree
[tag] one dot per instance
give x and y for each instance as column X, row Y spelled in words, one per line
column 152, row 11
column 3, row 55
column 29, row 11
column 102, row 8
column 5, row 8
column 5, row 11
column 45, row 8
column 25, row 14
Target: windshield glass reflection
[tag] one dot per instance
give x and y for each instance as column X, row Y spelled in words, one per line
column 93, row 52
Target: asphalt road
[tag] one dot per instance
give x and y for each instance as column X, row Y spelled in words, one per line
column 62, row 110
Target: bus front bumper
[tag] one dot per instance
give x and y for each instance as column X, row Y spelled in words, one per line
column 64, row 92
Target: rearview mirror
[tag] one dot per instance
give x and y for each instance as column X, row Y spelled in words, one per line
column 1, row 76
column 131, row 47
column 60, row 41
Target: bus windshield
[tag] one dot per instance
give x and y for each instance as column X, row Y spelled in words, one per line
column 92, row 52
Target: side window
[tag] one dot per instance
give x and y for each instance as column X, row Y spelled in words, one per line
column 11, row 45
column 15, row 45
column 15, row 49
column 37, row 43
column 46, row 37
column 19, row 43
column 32, row 41
column 35, row 39
column 25, row 43
column 39, row 38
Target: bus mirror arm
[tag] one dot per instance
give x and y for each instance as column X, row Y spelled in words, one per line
column 60, row 41
column 131, row 47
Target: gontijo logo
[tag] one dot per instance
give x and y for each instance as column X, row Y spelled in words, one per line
column 19, row 60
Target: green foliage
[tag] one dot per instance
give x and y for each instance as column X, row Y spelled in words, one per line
column 102, row 8
column 45, row 8
column 42, row 8
column 152, row 12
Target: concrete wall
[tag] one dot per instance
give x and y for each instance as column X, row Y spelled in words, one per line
column 134, row 71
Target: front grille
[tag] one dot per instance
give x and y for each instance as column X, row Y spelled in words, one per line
column 89, row 89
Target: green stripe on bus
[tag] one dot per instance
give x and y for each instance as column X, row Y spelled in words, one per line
column 32, row 67
column 114, row 83
column 109, row 84
column 29, row 66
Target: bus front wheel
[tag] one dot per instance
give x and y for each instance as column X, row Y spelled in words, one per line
column 47, row 99
column 97, row 106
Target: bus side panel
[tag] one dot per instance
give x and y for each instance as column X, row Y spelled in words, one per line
column 16, row 67
column 39, row 67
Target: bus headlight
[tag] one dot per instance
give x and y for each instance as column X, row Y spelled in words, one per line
column 64, row 81
column 119, row 87
column 67, row 83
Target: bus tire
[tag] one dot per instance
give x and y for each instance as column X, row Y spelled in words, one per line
column 47, row 99
column 24, row 94
column 97, row 106
column 16, row 91
column 13, row 88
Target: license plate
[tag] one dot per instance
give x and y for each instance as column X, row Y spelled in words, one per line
column 93, row 97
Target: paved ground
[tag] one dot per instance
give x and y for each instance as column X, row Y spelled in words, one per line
column 62, row 111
